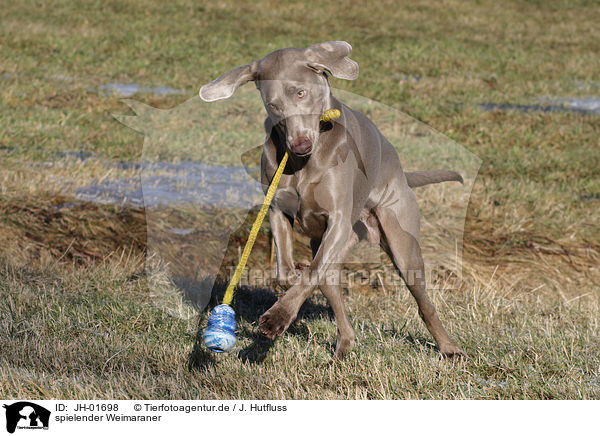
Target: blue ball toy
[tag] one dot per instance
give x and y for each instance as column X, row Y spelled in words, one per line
column 219, row 335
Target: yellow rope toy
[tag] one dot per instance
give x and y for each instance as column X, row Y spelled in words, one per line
column 219, row 335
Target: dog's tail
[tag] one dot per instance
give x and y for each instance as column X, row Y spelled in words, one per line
column 422, row 178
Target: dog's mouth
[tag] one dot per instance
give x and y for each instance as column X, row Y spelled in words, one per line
column 302, row 146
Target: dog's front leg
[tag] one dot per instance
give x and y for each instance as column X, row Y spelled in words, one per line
column 281, row 226
column 279, row 317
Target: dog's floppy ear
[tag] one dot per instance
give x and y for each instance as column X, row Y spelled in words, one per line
column 333, row 57
column 225, row 86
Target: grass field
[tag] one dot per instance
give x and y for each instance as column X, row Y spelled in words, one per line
column 78, row 306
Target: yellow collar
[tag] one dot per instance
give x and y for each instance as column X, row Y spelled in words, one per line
column 330, row 114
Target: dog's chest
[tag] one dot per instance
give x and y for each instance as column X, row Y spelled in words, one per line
column 297, row 200
column 311, row 216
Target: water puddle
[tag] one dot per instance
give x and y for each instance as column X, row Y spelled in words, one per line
column 130, row 89
column 587, row 104
column 119, row 89
column 76, row 155
column 167, row 184
column 581, row 105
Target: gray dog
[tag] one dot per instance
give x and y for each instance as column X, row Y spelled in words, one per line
column 343, row 183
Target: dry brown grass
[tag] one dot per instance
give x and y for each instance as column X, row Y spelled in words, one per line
column 87, row 310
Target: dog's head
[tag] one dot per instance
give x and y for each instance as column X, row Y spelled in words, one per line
column 294, row 87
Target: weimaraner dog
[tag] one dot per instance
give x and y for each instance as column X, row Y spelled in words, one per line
column 343, row 183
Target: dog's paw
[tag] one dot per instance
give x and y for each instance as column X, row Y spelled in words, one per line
column 344, row 345
column 452, row 352
column 275, row 321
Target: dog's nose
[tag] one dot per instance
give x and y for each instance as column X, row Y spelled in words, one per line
column 301, row 146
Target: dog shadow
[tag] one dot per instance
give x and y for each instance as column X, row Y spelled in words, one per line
column 249, row 304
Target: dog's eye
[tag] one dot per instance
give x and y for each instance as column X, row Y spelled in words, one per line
column 301, row 93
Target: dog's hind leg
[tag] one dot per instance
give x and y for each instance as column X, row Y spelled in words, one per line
column 399, row 232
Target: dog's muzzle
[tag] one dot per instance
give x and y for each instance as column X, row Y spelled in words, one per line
column 302, row 146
